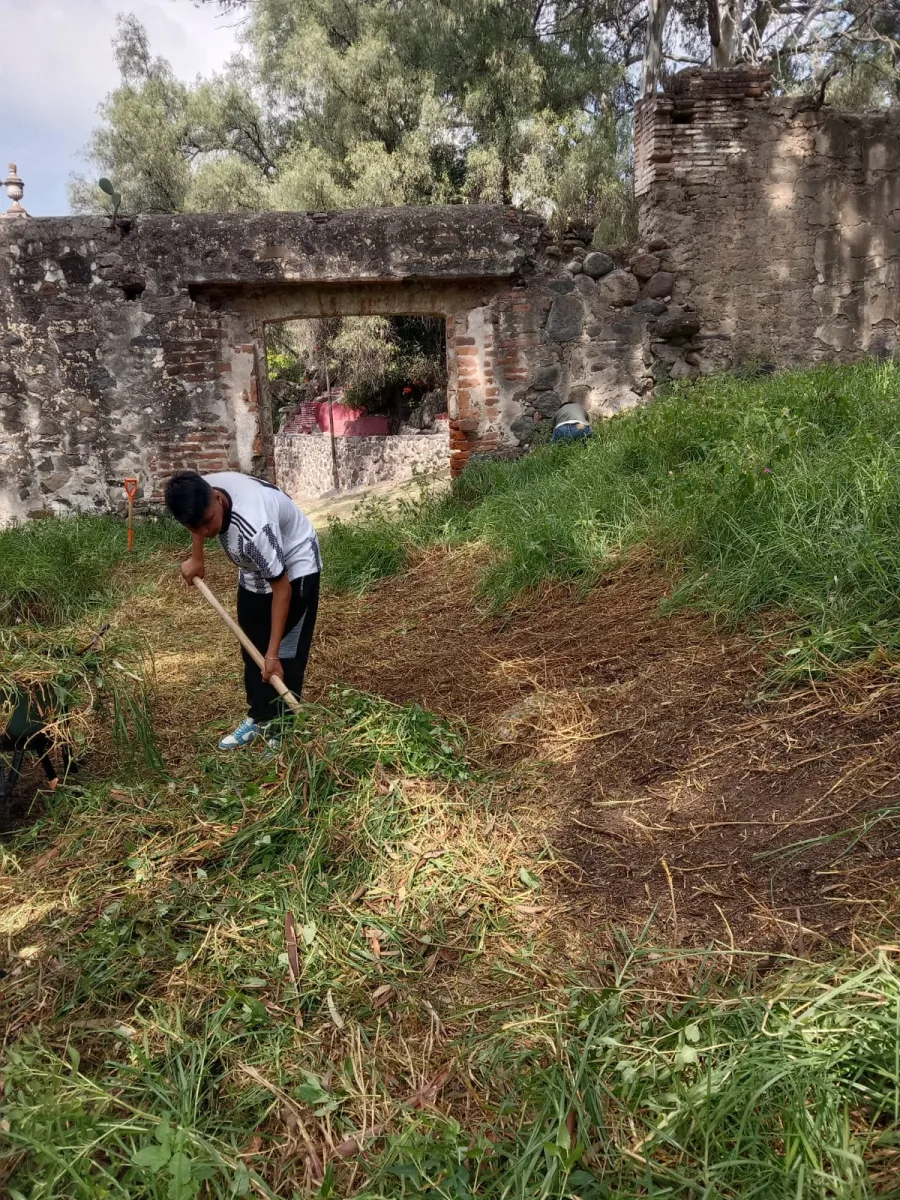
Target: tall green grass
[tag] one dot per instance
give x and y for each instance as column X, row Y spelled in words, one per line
column 55, row 569
column 769, row 493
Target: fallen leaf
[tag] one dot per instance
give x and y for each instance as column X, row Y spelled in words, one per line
column 290, row 941
column 47, row 857
column 372, row 939
column 572, row 1127
column 359, row 893
column 332, row 1008
column 428, row 1092
column 117, row 795
column 422, row 860
column 126, row 1031
column 382, row 994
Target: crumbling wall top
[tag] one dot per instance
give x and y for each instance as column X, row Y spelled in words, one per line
column 448, row 242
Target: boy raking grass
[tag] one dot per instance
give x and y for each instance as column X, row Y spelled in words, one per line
column 276, row 549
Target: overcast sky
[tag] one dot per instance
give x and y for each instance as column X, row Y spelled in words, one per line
column 56, row 65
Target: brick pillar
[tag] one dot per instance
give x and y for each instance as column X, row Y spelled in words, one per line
column 192, row 353
column 259, row 406
column 474, row 418
column 245, row 382
column 691, row 133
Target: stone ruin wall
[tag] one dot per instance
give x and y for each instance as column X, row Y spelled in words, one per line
column 137, row 349
column 770, row 232
column 305, row 469
column 783, row 221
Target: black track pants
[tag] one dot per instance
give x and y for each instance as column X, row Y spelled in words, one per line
column 254, row 614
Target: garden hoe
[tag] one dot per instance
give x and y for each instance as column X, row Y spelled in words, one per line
column 278, row 684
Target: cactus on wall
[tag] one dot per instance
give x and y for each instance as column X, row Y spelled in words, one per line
column 115, row 198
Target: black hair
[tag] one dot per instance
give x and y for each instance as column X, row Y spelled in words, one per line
column 188, row 497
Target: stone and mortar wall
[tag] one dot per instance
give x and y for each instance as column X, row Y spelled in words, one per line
column 783, row 221
column 569, row 321
column 770, row 231
column 581, row 332
column 108, row 369
column 303, row 463
column 137, row 349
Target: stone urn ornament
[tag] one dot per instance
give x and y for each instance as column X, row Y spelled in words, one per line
column 15, row 189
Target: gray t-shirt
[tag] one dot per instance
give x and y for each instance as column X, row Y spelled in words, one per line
column 574, row 413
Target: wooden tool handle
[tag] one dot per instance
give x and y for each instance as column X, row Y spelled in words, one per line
column 277, row 683
column 131, row 486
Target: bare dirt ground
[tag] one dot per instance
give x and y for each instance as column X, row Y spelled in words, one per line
column 667, row 775
column 648, row 757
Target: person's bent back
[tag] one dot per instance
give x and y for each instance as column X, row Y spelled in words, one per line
column 571, row 423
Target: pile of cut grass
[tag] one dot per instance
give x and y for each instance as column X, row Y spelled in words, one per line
column 776, row 493
column 339, row 977
column 76, row 687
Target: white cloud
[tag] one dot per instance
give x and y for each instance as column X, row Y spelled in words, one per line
column 58, row 65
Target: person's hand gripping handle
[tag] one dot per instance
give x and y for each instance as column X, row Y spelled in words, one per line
column 277, row 683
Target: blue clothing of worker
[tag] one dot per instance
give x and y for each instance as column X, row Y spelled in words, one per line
column 571, row 423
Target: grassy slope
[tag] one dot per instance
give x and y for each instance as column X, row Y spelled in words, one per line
column 53, row 571
column 159, row 1045
column 779, row 492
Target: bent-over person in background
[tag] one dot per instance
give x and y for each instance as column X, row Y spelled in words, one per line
column 571, row 423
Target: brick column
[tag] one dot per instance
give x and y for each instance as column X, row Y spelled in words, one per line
column 192, row 353
column 691, row 132
column 475, row 417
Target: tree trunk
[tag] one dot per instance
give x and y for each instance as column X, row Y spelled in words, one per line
column 726, row 22
column 653, row 48
column 759, row 22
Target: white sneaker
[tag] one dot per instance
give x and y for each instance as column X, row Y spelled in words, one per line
column 242, row 736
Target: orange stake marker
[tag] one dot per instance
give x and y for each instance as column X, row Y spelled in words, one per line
column 131, row 487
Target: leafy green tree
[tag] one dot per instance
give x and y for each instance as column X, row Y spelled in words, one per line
column 141, row 142
column 351, row 103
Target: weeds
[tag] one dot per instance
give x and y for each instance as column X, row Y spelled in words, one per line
column 317, row 979
column 56, row 569
column 183, row 961
column 341, row 972
column 767, row 493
